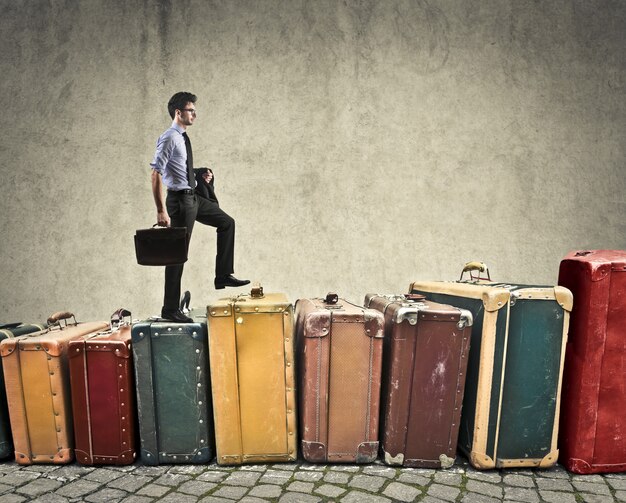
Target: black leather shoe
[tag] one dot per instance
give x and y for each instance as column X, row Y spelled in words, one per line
column 230, row 280
column 175, row 315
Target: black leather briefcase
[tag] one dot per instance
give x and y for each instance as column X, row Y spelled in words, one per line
column 161, row 245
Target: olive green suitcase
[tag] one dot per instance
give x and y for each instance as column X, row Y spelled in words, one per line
column 173, row 395
column 513, row 385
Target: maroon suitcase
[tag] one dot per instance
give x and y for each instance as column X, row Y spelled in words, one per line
column 592, row 436
column 103, row 394
column 424, row 365
column 339, row 348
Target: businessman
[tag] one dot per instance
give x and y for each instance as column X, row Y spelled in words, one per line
column 190, row 198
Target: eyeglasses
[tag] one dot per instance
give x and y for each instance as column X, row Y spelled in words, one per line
column 192, row 110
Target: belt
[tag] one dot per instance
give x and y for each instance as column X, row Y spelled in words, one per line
column 189, row 192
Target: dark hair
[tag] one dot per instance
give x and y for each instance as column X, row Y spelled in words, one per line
column 179, row 101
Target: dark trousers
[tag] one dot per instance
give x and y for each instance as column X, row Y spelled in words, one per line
column 184, row 210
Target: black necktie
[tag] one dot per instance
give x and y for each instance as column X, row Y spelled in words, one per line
column 190, row 176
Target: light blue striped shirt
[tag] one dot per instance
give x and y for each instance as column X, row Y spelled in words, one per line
column 170, row 158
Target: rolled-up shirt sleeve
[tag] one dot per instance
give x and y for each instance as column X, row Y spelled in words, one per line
column 164, row 149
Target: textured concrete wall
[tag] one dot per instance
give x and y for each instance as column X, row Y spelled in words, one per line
column 359, row 144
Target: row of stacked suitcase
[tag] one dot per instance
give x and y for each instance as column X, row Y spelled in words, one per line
column 417, row 346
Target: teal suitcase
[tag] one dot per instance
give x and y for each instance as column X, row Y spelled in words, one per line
column 8, row 330
column 173, row 391
column 510, row 411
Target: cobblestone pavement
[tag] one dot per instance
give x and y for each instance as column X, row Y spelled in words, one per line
column 301, row 482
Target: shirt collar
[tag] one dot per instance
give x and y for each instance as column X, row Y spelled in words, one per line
column 177, row 127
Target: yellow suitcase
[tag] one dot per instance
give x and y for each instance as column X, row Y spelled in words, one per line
column 36, row 374
column 251, row 359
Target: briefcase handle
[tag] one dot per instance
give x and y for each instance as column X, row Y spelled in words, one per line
column 474, row 266
column 56, row 318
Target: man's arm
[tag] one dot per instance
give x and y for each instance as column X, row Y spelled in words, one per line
column 163, row 219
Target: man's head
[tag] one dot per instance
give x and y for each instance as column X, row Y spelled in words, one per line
column 181, row 108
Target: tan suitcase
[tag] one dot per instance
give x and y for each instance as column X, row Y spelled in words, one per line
column 36, row 374
column 340, row 351
column 252, row 378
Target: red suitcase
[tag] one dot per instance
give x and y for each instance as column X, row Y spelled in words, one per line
column 593, row 412
column 103, row 394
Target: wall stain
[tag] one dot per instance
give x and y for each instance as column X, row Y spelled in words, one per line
column 164, row 12
column 412, row 35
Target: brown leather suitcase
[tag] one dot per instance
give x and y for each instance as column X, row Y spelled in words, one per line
column 103, row 394
column 36, row 375
column 425, row 360
column 339, row 347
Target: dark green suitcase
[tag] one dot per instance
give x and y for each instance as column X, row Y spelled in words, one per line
column 512, row 392
column 173, row 394
column 8, row 330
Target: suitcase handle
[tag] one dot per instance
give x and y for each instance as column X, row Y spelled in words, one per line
column 331, row 298
column 257, row 291
column 55, row 319
column 117, row 318
column 414, row 296
column 475, row 266
column 10, row 325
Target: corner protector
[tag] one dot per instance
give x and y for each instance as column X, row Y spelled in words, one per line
column 549, row 459
column 564, row 297
column 316, row 324
column 149, row 458
column 229, row 459
column 314, row 452
column 466, row 319
column 495, row 299
column 22, row 458
column 83, row 457
column 397, row 460
column 7, row 347
column 199, row 335
column 138, row 336
column 481, row 461
column 374, row 324
column 579, row 466
column 219, row 311
column 64, row 456
column 202, row 455
column 446, row 461
column 54, row 349
column 367, row 452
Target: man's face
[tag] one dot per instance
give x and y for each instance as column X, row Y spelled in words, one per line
column 187, row 114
